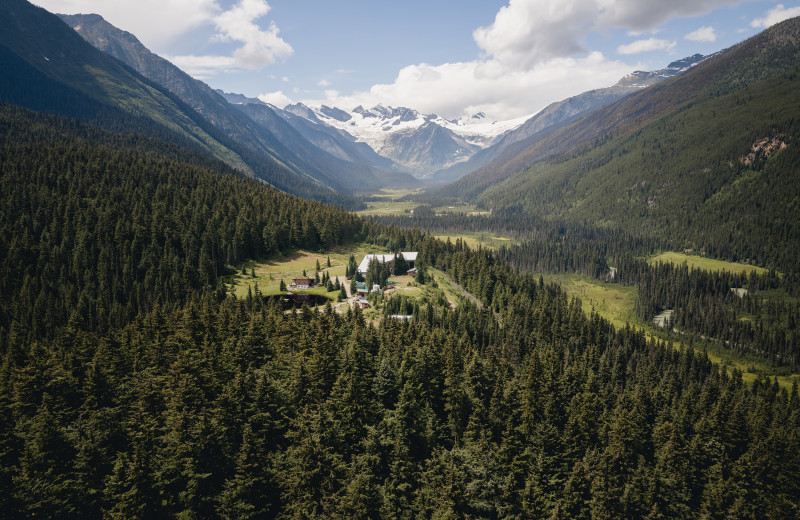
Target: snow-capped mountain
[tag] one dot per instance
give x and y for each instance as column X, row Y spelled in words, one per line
column 420, row 143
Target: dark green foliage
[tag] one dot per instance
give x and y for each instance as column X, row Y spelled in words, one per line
column 400, row 266
column 99, row 227
column 132, row 386
column 233, row 410
column 690, row 178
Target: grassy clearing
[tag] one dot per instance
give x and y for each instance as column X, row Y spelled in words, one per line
column 389, row 207
column 388, row 203
column 460, row 208
column 483, row 239
column 707, row 264
column 617, row 304
column 614, row 302
column 268, row 274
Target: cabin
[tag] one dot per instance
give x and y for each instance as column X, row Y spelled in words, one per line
column 376, row 288
column 364, row 304
column 302, row 283
column 409, row 256
column 412, row 272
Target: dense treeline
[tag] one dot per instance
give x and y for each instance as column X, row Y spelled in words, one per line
column 761, row 324
column 132, row 387
column 99, row 227
column 238, row 410
column 729, row 308
column 545, row 245
column 718, row 176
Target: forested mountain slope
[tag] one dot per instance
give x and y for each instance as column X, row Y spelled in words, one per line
column 720, row 176
column 98, row 227
column 562, row 113
column 770, row 53
column 277, row 139
column 132, row 386
column 50, row 68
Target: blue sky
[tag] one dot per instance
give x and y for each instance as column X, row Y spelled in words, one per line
column 451, row 57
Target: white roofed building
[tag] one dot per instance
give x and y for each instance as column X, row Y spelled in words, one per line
column 409, row 256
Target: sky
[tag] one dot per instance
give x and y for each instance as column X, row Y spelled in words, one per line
column 506, row 58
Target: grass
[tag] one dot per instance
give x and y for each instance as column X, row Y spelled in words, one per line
column 614, row 302
column 388, row 203
column 269, row 273
column 483, row 239
column 617, row 304
column 707, row 264
column 460, row 208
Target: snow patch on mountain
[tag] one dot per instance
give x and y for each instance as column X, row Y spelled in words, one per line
column 376, row 125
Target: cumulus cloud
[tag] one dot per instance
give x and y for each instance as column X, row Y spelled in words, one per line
column 157, row 22
column 279, row 99
column 154, row 22
column 533, row 53
column 776, row 15
column 324, row 83
column 703, row 34
column 259, row 47
column 648, row 45
column 527, row 32
column 641, row 15
column 203, row 67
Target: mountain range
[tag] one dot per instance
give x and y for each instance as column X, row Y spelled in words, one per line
column 105, row 76
column 323, row 152
column 439, row 150
column 609, row 155
column 705, row 159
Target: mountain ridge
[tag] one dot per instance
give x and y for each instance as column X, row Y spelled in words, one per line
column 267, row 134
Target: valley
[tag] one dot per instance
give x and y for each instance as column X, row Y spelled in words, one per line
column 216, row 307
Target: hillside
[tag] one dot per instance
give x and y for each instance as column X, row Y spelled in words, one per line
column 697, row 159
column 264, row 134
column 134, row 386
column 767, row 54
column 415, row 142
column 562, row 113
column 51, row 68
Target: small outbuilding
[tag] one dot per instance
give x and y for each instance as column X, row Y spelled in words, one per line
column 302, row 283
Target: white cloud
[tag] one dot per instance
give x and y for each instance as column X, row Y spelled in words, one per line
column 158, row 22
column 703, row 34
column 260, row 47
column 279, row 99
column 526, row 32
column 324, row 83
column 154, row 22
column 456, row 89
column 203, row 67
column 651, row 44
column 776, row 15
column 641, row 15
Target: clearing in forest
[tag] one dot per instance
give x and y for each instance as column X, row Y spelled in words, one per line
column 268, row 274
column 707, row 264
column 617, row 303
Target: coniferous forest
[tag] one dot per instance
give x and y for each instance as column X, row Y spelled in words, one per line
column 133, row 385
column 139, row 380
